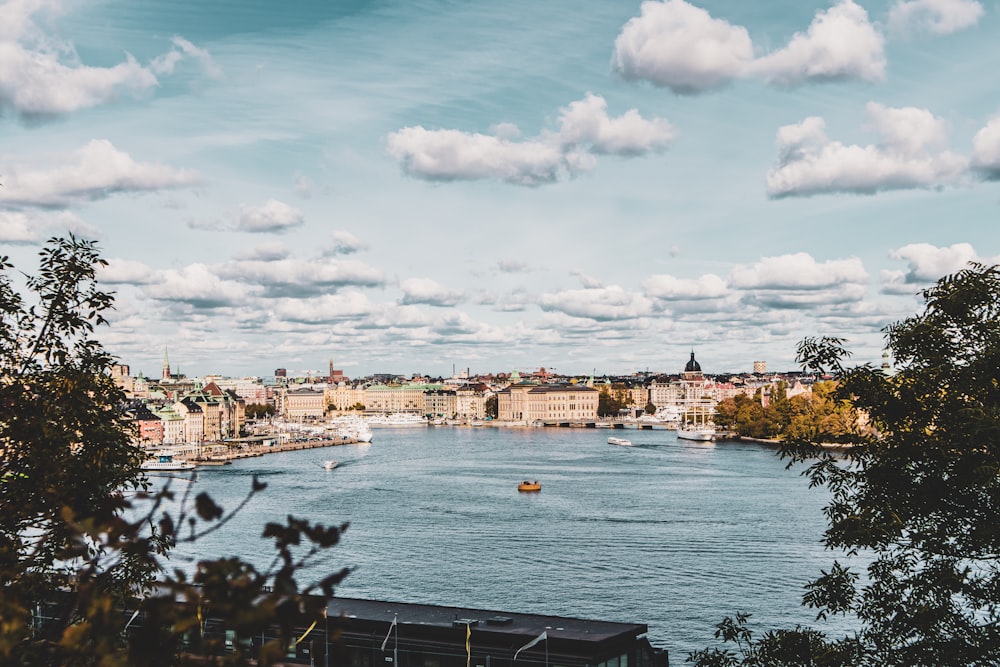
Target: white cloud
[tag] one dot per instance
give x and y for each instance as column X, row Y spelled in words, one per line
column 585, row 130
column 272, row 216
column 197, row 286
column 910, row 155
column 926, row 263
column 265, row 252
column 166, row 63
column 127, row 272
column 586, row 280
column 429, row 292
column 43, row 76
column 676, row 45
column 603, row 303
column 32, row 228
column 798, row 271
column 293, row 277
column 669, row 288
column 986, row 150
column 936, row 16
column 586, row 122
column 327, row 308
column 95, row 171
column 839, row 44
column 345, row 243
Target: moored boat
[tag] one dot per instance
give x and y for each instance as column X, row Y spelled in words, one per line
column 700, row 433
column 166, row 462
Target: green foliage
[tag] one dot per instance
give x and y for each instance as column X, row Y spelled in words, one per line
column 83, row 536
column 491, row 406
column 611, row 400
column 815, row 417
column 259, row 410
column 919, row 492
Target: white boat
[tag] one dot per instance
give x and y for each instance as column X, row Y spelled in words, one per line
column 692, row 432
column 400, row 420
column 602, row 424
column 619, row 441
column 166, row 462
column 330, row 465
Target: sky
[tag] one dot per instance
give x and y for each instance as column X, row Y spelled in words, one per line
column 424, row 186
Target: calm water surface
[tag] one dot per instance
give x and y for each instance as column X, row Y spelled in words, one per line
column 668, row 533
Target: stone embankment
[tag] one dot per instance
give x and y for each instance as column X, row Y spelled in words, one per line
column 223, row 453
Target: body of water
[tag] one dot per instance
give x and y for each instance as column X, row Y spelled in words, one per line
column 670, row 533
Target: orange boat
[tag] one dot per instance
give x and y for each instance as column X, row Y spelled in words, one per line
column 529, row 485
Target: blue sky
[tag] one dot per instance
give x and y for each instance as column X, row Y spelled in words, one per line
column 415, row 186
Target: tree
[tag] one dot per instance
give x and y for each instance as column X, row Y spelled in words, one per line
column 82, row 535
column 918, row 492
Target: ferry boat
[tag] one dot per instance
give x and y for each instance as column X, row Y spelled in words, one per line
column 166, row 462
column 619, row 441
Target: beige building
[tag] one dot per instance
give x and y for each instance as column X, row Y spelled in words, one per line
column 547, row 402
column 470, row 404
column 194, row 420
column 388, row 399
column 301, row 403
column 343, row 397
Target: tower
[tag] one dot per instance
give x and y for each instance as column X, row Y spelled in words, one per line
column 165, row 375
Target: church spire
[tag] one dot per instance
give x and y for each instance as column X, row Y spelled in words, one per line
column 165, row 375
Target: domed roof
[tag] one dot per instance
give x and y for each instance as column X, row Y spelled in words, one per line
column 692, row 365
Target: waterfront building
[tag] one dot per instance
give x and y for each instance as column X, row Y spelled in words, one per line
column 389, row 399
column 547, row 402
column 343, row 397
column 194, row 420
column 440, row 403
column 173, row 424
column 300, row 402
column 149, row 428
column 470, row 403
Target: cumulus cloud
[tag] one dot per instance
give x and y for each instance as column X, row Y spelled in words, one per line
column 941, row 17
column 127, row 272
column 798, row 271
column 986, row 150
column 676, row 45
column 799, row 281
column 272, row 216
column 292, row 277
column 42, row 76
column 839, row 44
column 669, row 288
column 585, row 130
column 909, row 155
column 345, row 243
column 197, row 286
column 323, row 309
column 95, row 171
column 32, row 228
column 428, row 292
column 602, row 304
column 926, row 263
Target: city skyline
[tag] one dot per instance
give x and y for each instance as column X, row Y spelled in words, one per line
column 412, row 187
